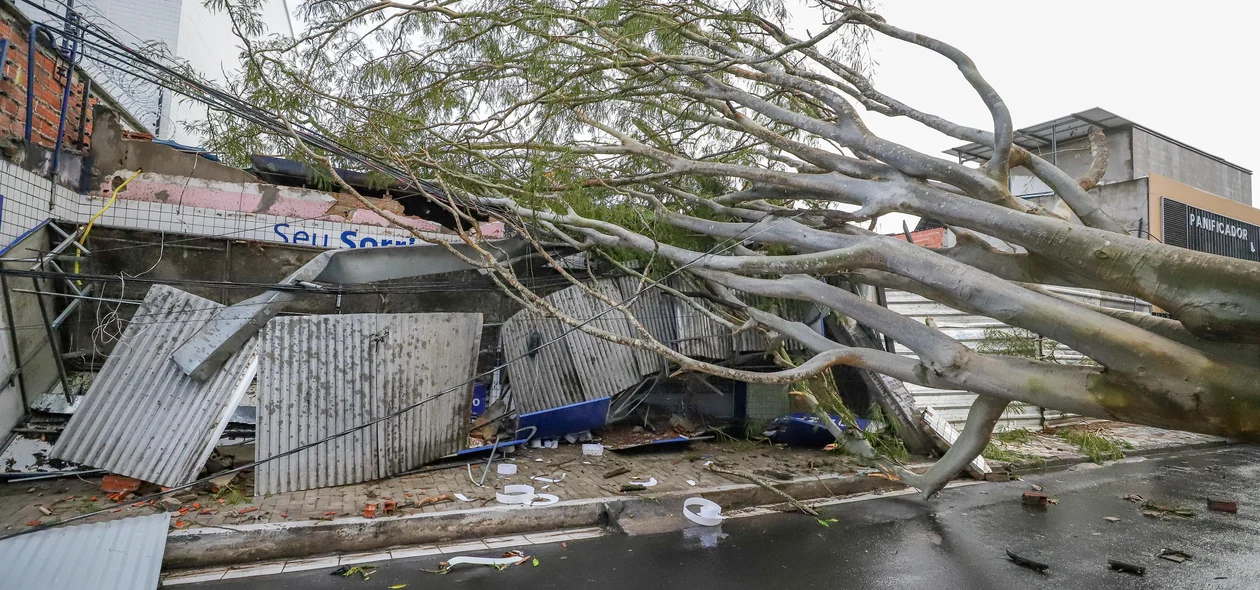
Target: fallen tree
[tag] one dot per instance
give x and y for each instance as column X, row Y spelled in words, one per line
column 717, row 139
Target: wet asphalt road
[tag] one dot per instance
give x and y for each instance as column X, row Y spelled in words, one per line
column 956, row 541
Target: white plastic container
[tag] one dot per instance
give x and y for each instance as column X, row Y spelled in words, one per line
column 593, row 450
column 506, row 469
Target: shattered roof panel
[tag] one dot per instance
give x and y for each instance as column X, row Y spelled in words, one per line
column 543, row 377
column 321, row 375
column 142, row 416
column 123, row 554
column 582, row 368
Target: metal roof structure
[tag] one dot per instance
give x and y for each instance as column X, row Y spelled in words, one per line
column 124, row 554
column 1075, row 126
column 321, row 375
column 583, row 368
column 142, row 416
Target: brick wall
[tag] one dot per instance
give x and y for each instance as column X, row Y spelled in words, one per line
column 49, row 83
column 928, row 238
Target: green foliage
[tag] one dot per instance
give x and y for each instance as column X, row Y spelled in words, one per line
column 1097, row 447
column 994, row 452
column 1016, row 436
column 521, row 98
column 1009, row 342
column 230, row 495
column 822, row 386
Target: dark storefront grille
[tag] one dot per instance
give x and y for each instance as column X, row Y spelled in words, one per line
column 1204, row 231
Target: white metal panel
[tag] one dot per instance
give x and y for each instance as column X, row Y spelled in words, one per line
column 952, row 405
column 124, row 554
column 322, row 375
column 142, row 416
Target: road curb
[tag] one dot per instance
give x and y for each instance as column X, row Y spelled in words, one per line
column 1065, row 462
column 230, row 545
column 233, row 545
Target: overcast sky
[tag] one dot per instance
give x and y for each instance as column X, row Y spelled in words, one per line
column 1187, row 70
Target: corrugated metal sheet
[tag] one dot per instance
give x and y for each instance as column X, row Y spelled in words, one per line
column 654, row 310
column 969, row 329
column 583, row 368
column 320, row 375
column 604, row 368
column 698, row 334
column 124, row 554
column 542, row 377
column 142, row 416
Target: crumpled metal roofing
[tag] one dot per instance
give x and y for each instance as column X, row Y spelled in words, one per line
column 582, row 367
column 124, row 554
column 320, row 375
column 142, row 416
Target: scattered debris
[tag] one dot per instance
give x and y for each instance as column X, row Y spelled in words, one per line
column 1161, row 509
column 523, row 494
column 1223, row 505
column 630, row 487
column 46, row 511
column 997, row 476
column 170, row 503
column 775, row 473
column 615, row 472
column 691, row 482
column 506, row 469
column 1111, row 519
column 509, row 559
column 35, row 522
column 1134, row 498
column 369, row 511
column 651, row 481
column 437, row 500
column 1036, row 488
column 1127, row 568
column 549, row 479
column 707, row 513
column 804, row 429
column 828, row 521
column 1175, row 556
column 1028, row 563
column 765, row 484
column 462, row 498
column 1035, row 499
column 220, row 483
column 346, row 571
column 1054, row 501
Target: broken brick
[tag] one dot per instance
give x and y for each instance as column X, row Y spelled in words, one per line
column 117, row 483
column 1036, row 499
column 1223, row 505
